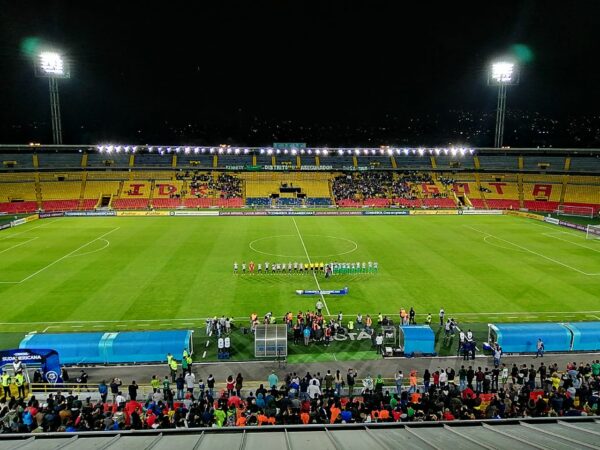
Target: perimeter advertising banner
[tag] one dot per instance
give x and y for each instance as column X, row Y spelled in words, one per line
column 524, row 214
column 90, row 213
column 142, row 213
column 51, row 214
column 434, row 212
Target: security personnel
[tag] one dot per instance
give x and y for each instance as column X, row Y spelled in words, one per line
column 20, row 382
column 173, row 367
column 188, row 358
column 6, row 384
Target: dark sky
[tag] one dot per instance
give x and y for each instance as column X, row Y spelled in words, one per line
column 137, row 63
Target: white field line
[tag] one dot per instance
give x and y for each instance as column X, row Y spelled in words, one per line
column 67, row 255
column 107, row 243
column 571, row 242
column 244, row 318
column 18, row 245
column 27, row 230
column 533, row 253
column 309, row 262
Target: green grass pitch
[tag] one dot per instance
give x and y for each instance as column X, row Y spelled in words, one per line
column 137, row 273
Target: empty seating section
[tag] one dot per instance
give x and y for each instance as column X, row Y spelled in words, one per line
column 153, row 159
column 18, row 207
column 444, row 162
column 108, row 175
column 166, row 203
column 108, row 160
column 16, row 176
column 439, row 202
column 553, row 163
column 59, row 160
column 317, row 201
column 195, row 160
column 258, row 201
column 377, row 202
column 264, row 184
column 501, row 191
column 60, row 176
column 376, row 162
column 583, row 194
column 152, row 175
column 413, row 162
column 585, row 164
column 60, row 205
column 130, row 203
column 495, row 162
column 16, row 160
column 17, row 191
column 60, row 190
column 408, row 202
column 261, row 160
column 94, row 189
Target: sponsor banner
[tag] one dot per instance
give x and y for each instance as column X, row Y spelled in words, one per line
column 5, row 226
column 322, row 292
column 242, row 213
column 339, row 213
column 433, row 212
column 31, row 218
column 191, row 213
column 524, row 214
column 89, row 213
column 552, row 220
column 142, row 213
column 385, row 213
column 573, row 226
column 323, row 167
column 51, row 214
column 16, row 223
column 470, row 212
column 290, row 213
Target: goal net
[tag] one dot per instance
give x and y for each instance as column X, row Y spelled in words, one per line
column 593, row 232
column 581, row 211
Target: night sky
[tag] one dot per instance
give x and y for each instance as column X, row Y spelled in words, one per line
column 140, row 63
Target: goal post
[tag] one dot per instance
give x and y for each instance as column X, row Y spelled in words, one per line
column 580, row 211
column 592, row 232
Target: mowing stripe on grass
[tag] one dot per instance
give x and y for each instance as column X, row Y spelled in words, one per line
column 67, row 255
column 27, row 230
column 571, row 242
column 19, row 244
column 309, row 262
column 533, row 253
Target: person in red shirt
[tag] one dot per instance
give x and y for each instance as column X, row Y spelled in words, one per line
column 448, row 415
column 251, row 267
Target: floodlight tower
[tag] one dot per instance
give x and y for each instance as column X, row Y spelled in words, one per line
column 52, row 65
column 502, row 74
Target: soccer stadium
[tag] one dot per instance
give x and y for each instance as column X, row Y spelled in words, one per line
column 293, row 224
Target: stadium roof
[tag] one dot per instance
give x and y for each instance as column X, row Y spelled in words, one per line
column 563, row 433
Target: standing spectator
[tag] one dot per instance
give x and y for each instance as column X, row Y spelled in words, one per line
column 442, row 313
column 190, row 380
column 180, row 385
column 133, row 388
column 210, row 384
column 399, row 380
column 306, row 334
column 379, row 343
column 540, row 348
column 239, row 384
column 103, row 391
column 114, row 388
column 155, row 383
column 273, row 380
column 351, row 380
column 82, row 379
column 338, row 382
column 230, row 385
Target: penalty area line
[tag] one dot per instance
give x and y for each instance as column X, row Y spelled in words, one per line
column 309, row 262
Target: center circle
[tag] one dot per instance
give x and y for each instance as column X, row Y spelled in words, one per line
column 257, row 243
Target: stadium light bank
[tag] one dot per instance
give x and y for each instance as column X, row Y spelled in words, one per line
column 502, row 73
column 227, row 150
column 54, row 66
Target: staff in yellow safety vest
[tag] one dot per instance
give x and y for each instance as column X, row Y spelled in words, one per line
column 20, row 382
column 173, row 367
column 6, row 385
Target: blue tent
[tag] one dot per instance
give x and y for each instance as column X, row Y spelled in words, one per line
column 417, row 339
column 523, row 337
column 117, row 347
column 586, row 335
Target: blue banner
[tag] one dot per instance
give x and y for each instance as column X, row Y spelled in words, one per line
column 322, row 292
column 46, row 358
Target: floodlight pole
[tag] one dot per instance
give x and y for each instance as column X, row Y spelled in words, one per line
column 500, row 112
column 55, row 111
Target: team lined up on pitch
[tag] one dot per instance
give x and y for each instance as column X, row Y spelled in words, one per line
column 329, row 269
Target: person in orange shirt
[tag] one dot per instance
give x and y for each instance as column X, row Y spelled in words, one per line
column 241, row 421
column 335, row 413
column 412, row 378
column 262, row 418
column 384, row 415
column 305, row 418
